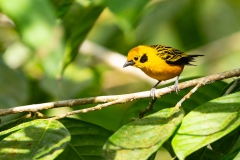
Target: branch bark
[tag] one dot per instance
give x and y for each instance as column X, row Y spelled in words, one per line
column 116, row 99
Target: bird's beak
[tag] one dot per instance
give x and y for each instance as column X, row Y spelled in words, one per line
column 128, row 63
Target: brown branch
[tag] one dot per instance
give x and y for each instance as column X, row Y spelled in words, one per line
column 98, row 107
column 117, row 99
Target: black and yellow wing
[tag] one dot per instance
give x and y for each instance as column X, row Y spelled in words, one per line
column 174, row 56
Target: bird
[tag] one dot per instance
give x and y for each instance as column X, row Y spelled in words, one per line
column 159, row 62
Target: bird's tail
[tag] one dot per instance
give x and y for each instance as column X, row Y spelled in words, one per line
column 191, row 58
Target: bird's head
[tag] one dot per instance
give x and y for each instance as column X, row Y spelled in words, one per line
column 138, row 56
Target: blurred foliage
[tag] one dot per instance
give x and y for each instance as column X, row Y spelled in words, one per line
column 40, row 59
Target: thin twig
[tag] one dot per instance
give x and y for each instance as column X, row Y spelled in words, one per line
column 231, row 88
column 98, row 107
column 119, row 98
column 178, row 105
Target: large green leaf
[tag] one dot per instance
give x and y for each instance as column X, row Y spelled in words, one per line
column 77, row 23
column 38, row 139
column 224, row 145
column 206, row 124
column 143, row 137
column 234, row 155
column 209, row 155
column 204, row 154
column 86, row 142
column 13, row 87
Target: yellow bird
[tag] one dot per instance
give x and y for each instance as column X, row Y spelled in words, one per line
column 159, row 62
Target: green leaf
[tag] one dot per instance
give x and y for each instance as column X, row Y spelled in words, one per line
column 13, row 87
column 13, row 123
column 197, row 154
column 127, row 13
column 209, row 155
column 161, row 15
column 62, row 6
column 234, row 155
column 77, row 23
column 86, row 142
column 35, row 28
column 35, row 22
column 7, row 36
column 141, row 138
column 204, row 153
column 38, row 139
column 226, row 143
column 232, row 87
column 206, row 124
column 70, row 86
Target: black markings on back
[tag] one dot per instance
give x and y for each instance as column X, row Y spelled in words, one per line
column 174, row 56
column 144, row 58
column 168, row 53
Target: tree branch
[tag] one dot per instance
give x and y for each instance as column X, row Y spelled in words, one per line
column 117, row 99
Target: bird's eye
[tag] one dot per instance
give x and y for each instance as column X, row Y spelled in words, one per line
column 135, row 58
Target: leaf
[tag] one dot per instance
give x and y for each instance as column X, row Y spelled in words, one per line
column 197, row 154
column 206, row 124
column 38, row 139
column 210, row 155
column 204, row 153
column 160, row 15
column 77, row 23
column 62, row 6
column 13, row 123
column 9, row 125
column 35, row 22
column 232, row 87
column 141, row 138
column 35, row 28
column 127, row 13
column 14, row 87
column 86, row 142
column 234, row 155
column 70, row 86
column 7, row 36
column 226, row 143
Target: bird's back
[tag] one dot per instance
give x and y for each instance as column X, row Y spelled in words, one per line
column 173, row 56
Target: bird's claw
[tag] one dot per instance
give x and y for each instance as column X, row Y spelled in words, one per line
column 176, row 85
column 176, row 88
column 153, row 93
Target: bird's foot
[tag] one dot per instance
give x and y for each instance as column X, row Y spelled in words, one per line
column 176, row 88
column 153, row 93
column 176, row 85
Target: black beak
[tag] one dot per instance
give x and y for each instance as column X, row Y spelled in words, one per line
column 128, row 63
